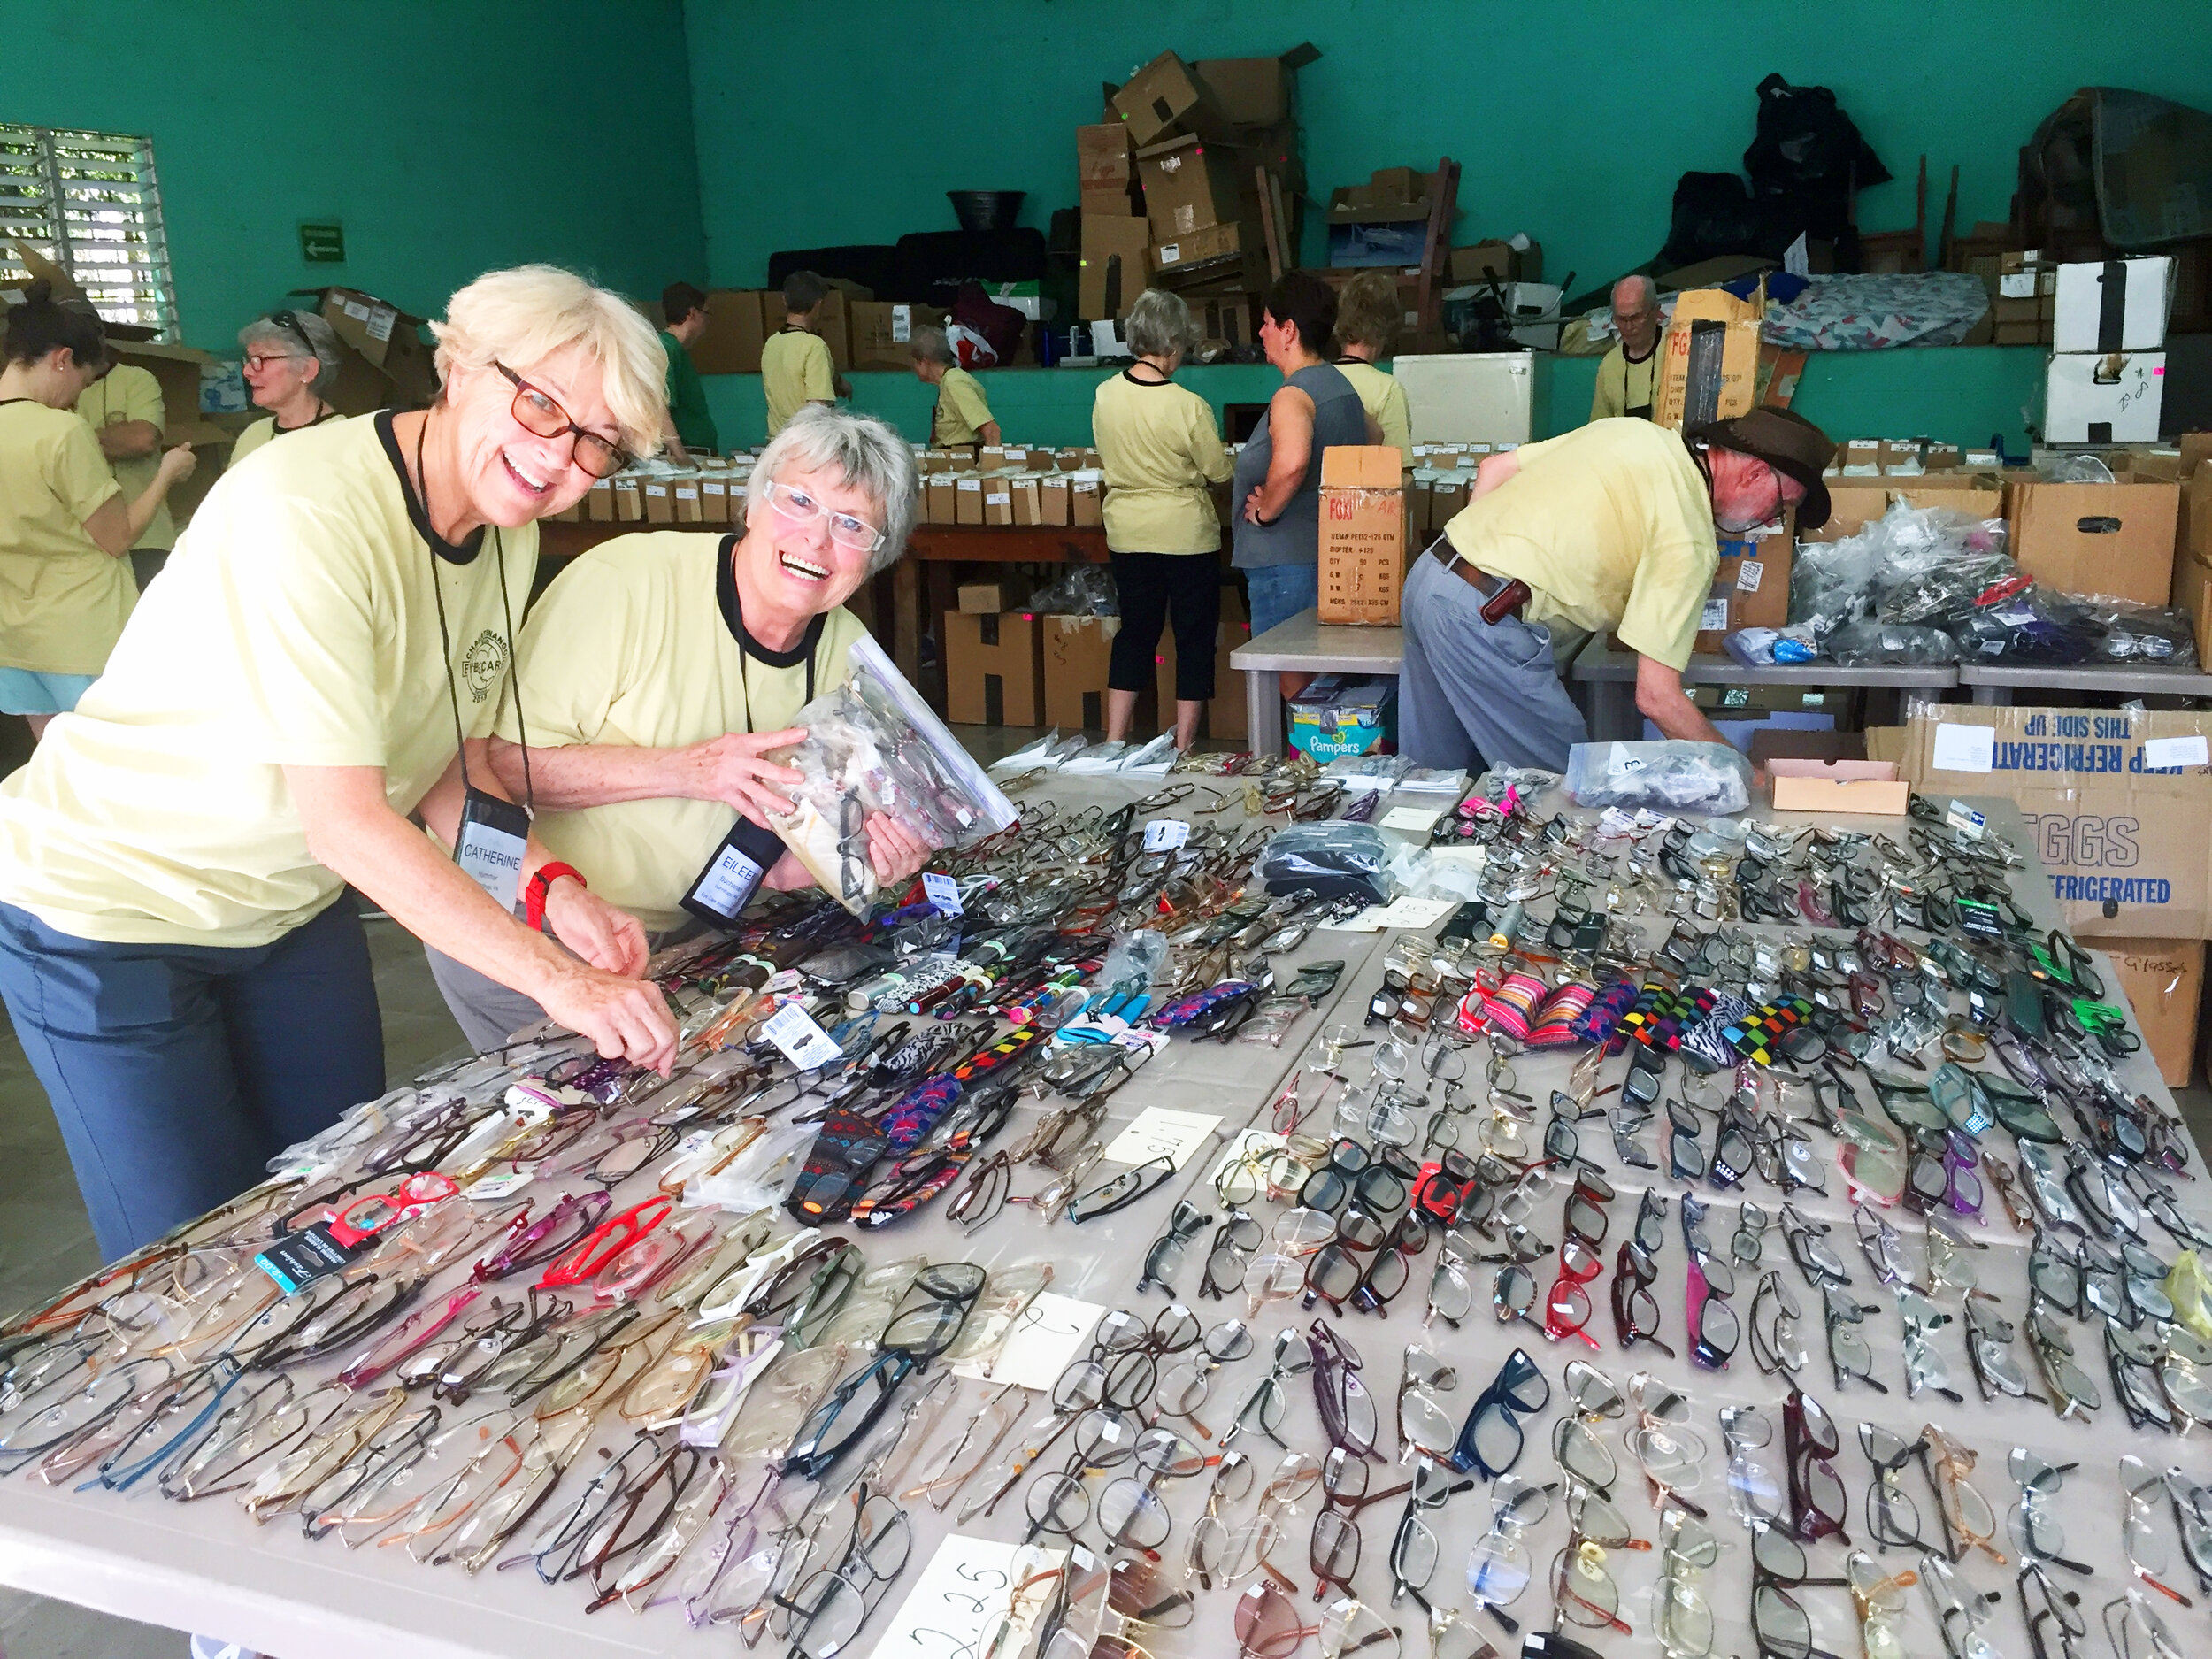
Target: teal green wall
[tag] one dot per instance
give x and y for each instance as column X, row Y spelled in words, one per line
column 1571, row 126
column 1959, row 394
column 450, row 136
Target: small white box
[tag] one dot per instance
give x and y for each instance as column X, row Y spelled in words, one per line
column 2143, row 291
column 2093, row 398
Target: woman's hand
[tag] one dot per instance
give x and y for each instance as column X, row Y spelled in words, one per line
column 178, row 463
column 729, row 769
column 895, row 853
column 611, row 941
column 624, row 1019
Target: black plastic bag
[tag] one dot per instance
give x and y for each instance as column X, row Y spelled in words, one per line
column 1713, row 214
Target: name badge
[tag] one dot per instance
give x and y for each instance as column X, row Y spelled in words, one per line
column 494, row 836
column 732, row 875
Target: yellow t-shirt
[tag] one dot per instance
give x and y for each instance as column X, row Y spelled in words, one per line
column 63, row 601
column 297, row 626
column 1383, row 397
column 962, row 412
column 632, row 646
column 1159, row 447
column 1612, row 526
column 1624, row 386
column 796, row 369
column 265, row 428
column 130, row 393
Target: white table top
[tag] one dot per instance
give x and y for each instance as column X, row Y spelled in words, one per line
column 1305, row 644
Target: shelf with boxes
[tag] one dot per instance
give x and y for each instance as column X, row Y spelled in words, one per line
column 1011, row 486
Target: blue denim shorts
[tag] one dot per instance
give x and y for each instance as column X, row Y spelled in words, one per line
column 1279, row 592
column 24, row 691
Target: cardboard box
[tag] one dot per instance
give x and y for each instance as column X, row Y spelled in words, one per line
column 1104, row 159
column 1055, row 499
column 1112, row 201
column 1855, row 503
column 1165, row 98
column 1214, row 244
column 1447, row 497
column 687, row 498
column 998, row 500
column 2116, row 539
column 1114, row 267
column 2164, row 980
column 2110, row 399
column 1392, row 196
column 882, row 331
column 2112, row 306
column 1078, row 651
column 1189, row 185
column 1028, row 499
column 1751, row 585
column 939, row 491
column 994, row 668
column 1226, row 714
column 2115, row 806
column 1362, row 553
column 1709, row 358
column 1839, row 786
column 629, row 501
column 968, row 499
column 660, row 506
column 731, row 344
column 387, row 337
column 599, row 501
column 1502, row 260
column 1087, row 498
column 1338, row 715
column 714, row 498
column 2193, row 564
column 985, row 599
column 1255, row 91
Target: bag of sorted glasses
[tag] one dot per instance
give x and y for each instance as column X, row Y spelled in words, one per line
column 873, row 746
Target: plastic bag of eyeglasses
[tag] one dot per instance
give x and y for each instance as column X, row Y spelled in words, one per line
column 2160, row 635
column 1080, row 590
column 1331, row 860
column 1371, row 771
column 2032, row 625
column 1863, row 644
column 757, row 1177
column 1670, row 776
column 1133, row 961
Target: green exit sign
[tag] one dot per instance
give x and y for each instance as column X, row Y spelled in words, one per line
column 323, row 243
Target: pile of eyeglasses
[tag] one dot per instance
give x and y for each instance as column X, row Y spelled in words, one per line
column 725, row 1342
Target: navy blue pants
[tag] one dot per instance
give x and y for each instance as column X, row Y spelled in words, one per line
column 178, row 1071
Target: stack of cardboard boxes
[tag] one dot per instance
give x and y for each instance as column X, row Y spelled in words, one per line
column 1191, row 170
column 2106, row 379
column 1011, row 484
column 861, row 331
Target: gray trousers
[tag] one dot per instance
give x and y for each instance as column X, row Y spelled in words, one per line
column 1473, row 694
column 487, row 1011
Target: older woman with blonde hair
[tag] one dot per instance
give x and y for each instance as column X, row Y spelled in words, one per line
column 1161, row 453
column 1367, row 315
column 322, row 661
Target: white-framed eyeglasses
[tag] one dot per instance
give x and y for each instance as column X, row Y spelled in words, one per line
column 845, row 529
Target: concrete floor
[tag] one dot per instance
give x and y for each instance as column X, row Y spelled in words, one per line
column 46, row 1240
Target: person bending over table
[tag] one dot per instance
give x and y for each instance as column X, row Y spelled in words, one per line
column 658, row 668
column 1608, row 526
column 961, row 419
column 291, row 360
column 66, row 528
column 1276, row 494
column 1366, row 327
column 1162, row 454
column 186, row 976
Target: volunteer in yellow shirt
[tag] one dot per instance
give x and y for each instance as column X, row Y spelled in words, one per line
column 1628, row 375
column 127, row 415
column 1366, row 328
column 66, row 524
column 1162, row 454
column 291, row 361
column 963, row 415
column 325, row 659
column 795, row 365
column 1609, row 526
column 658, row 667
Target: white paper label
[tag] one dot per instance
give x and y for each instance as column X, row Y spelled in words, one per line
column 1965, row 819
column 501, row 1183
column 356, row 309
column 2016, row 285
column 381, row 321
column 656, row 489
column 996, row 498
column 1158, row 1132
column 804, row 1043
column 942, row 891
column 1747, row 576
column 902, row 323
column 2161, row 752
column 1714, row 617
column 1415, row 820
column 1964, row 748
column 1165, row 834
column 975, row 484
column 1170, row 253
column 1046, row 1335
column 965, row 1592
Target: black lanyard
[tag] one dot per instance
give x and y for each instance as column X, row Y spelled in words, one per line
column 749, row 648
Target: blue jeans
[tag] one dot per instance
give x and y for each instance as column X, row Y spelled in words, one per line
column 1279, row 592
column 178, row 1071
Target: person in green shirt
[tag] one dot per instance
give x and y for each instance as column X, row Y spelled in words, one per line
column 690, row 425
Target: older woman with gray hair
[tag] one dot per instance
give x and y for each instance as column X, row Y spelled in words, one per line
column 962, row 416
column 321, row 664
column 1161, row 453
column 660, row 669
column 291, row 361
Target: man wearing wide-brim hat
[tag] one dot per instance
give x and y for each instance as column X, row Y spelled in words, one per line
column 1609, row 528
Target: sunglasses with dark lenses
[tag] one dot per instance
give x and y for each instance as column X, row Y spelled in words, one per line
column 1491, row 1441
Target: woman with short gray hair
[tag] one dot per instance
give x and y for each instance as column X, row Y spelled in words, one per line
column 962, row 416
column 291, row 366
column 1162, row 452
column 659, row 670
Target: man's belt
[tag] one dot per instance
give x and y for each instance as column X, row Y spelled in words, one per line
column 1501, row 596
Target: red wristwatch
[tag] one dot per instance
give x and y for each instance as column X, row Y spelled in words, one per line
column 541, row 883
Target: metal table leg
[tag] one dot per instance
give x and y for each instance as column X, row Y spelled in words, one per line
column 1993, row 696
column 1613, row 711
column 1262, row 712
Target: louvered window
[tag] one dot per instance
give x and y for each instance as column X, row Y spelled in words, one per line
column 90, row 202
